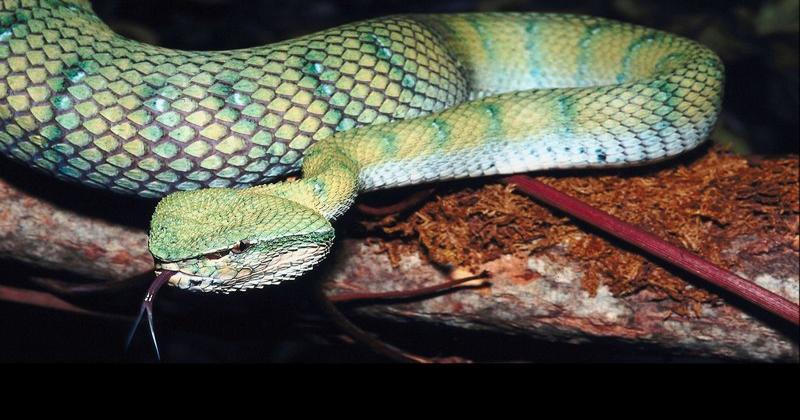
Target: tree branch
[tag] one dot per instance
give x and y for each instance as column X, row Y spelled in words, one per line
column 555, row 280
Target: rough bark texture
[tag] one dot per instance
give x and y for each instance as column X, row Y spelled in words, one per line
column 551, row 279
column 38, row 232
column 541, row 296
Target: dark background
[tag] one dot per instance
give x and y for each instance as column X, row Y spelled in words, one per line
column 757, row 40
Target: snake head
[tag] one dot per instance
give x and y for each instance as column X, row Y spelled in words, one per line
column 223, row 240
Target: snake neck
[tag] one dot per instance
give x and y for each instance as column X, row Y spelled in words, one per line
column 329, row 185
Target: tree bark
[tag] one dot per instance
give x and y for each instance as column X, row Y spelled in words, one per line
column 540, row 296
column 43, row 234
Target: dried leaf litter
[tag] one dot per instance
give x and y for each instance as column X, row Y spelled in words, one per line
column 703, row 203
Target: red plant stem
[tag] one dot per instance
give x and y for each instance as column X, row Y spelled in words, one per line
column 656, row 246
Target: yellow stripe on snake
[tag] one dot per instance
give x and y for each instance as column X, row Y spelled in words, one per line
column 377, row 104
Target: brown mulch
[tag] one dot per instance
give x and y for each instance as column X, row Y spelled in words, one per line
column 704, row 202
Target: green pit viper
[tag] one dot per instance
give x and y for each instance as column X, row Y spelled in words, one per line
column 377, row 104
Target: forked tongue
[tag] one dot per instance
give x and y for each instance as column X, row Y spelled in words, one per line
column 147, row 306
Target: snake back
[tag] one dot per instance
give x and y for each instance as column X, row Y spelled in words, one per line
column 88, row 105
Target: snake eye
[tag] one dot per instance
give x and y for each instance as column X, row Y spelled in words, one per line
column 240, row 247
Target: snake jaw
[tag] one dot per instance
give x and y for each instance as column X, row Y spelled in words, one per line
column 237, row 275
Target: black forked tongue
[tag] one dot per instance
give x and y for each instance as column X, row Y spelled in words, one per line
column 147, row 306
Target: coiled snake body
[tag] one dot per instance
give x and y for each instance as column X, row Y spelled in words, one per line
column 387, row 102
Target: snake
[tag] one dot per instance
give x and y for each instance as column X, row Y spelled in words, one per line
column 382, row 103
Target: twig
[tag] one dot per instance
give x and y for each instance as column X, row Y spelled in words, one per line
column 362, row 336
column 404, row 204
column 70, row 288
column 656, row 246
column 379, row 346
column 46, row 300
column 471, row 281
